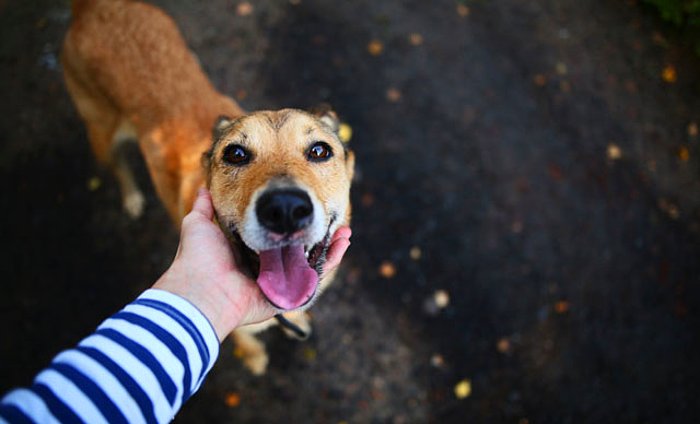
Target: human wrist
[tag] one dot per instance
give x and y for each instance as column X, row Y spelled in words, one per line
column 191, row 317
column 223, row 315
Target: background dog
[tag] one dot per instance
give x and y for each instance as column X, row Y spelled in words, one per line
column 280, row 180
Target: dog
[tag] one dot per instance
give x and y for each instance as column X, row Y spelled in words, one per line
column 280, row 180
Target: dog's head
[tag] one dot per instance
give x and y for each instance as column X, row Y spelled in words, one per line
column 280, row 183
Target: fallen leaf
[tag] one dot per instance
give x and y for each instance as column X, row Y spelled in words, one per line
column 415, row 253
column 561, row 68
column 94, row 183
column 669, row 74
column 659, row 39
column 670, row 208
column 375, row 47
column 463, row 10
column 516, row 227
column 614, row 152
column 441, row 299
column 651, row 165
column 41, row 23
column 555, row 172
column 437, row 360
column 683, row 153
column 693, row 129
column 310, row 354
column 539, row 80
column 244, row 8
column 415, row 39
column 344, row 132
column 503, row 345
column 463, row 389
column 565, row 86
column 680, row 309
column 469, row 115
column 319, row 40
column 387, row 270
column 562, row 307
column 393, row 95
column 232, row 399
column 367, row 200
column 377, row 394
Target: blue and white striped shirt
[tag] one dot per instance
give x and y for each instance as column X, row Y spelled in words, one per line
column 140, row 366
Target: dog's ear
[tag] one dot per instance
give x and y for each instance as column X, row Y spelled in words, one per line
column 206, row 159
column 206, row 165
column 220, row 126
column 330, row 118
column 327, row 116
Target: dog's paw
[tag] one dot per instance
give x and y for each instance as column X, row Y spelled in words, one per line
column 134, row 204
column 257, row 364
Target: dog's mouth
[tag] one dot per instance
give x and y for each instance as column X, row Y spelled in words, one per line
column 287, row 275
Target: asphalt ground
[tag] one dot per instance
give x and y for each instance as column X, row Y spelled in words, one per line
column 526, row 212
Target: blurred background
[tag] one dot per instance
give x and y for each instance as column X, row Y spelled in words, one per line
column 526, row 211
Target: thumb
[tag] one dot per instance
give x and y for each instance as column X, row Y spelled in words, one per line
column 202, row 204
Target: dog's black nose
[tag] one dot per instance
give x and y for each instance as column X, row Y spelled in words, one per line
column 285, row 211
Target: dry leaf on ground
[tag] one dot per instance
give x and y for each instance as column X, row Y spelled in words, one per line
column 463, row 389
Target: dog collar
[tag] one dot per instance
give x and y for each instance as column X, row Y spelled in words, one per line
column 284, row 322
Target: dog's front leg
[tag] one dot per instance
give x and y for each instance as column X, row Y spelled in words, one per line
column 251, row 351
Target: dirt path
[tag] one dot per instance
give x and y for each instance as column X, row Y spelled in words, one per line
column 535, row 161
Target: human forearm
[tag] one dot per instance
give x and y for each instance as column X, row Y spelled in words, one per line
column 139, row 366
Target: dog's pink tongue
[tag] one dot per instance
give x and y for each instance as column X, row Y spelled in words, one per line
column 286, row 277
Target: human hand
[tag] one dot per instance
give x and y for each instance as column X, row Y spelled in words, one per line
column 205, row 271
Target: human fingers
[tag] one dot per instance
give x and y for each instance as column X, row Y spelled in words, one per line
column 202, row 204
column 202, row 211
column 341, row 232
column 258, row 309
column 340, row 241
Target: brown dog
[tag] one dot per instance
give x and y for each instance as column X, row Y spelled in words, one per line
column 279, row 180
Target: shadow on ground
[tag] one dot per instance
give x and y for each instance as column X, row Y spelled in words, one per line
column 488, row 168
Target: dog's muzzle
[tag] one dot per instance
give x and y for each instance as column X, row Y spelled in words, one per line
column 285, row 211
column 287, row 278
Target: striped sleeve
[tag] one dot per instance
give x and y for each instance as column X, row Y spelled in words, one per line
column 140, row 366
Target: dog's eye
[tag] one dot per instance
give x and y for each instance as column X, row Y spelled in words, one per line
column 320, row 152
column 236, row 155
